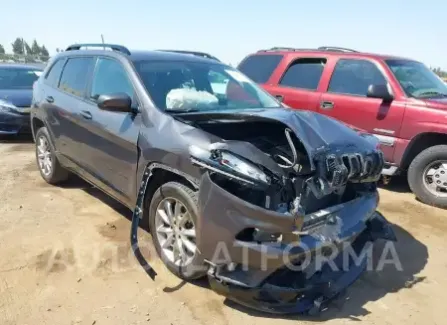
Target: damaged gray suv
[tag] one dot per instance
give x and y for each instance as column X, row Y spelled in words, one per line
column 234, row 185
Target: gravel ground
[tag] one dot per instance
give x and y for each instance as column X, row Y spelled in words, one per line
column 65, row 259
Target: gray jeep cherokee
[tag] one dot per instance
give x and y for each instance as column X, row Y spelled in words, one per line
column 216, row 165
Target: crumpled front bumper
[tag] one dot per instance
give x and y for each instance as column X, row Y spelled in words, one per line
column 256, row 273
column 313, row 294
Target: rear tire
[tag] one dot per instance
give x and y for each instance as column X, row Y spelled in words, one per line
column 418, row 168
column 176, row 194
column 49, row 167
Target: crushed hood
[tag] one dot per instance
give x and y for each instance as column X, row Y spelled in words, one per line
column 318, row 133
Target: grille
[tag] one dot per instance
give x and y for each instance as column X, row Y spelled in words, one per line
column 354, row 166
column 363, row 166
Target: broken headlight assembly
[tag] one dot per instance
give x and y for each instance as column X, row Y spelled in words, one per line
column 230, row 165
column 243, row 167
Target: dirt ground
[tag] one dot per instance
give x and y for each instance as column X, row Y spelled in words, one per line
column 65, row 259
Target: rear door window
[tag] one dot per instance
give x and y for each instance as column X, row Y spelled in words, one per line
column 259, row 68
column 304, row 73
column 75, row 75
column 353, row 77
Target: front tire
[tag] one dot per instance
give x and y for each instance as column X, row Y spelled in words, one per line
column 427, row 176
column 172, row 221
column 50, row 168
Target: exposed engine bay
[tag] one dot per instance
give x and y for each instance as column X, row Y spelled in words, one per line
column 284, row 180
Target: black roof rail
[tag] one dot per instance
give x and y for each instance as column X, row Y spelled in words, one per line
column 115, row 47
column 336, row 49
column 196, row 53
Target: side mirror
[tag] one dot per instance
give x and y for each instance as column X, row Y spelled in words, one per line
column 380, row 91
column 119, row 102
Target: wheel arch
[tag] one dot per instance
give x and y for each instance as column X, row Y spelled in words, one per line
column 157, row 174
column 419, row 143
column 36, row 124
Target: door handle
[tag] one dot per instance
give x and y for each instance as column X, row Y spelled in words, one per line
column 49, row 99
column 279, row 97
column 87, row 115
column 327, row 105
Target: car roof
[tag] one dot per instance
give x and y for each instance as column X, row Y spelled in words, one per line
column 329, row 51
column 24, row 66
column 121, row 51
column 196, row 53
column 165, row 55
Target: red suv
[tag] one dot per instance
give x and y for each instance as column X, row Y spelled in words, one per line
column 401, row 101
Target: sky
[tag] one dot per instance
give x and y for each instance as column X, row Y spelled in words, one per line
column 231, row 29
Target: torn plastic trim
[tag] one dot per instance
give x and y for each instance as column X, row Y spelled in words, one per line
column 136, row 216
column 138, row 211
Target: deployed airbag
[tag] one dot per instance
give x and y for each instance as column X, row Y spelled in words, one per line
column 187, row 98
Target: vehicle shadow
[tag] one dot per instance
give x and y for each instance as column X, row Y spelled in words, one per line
column 75, row 182
column 397, row 184
column 372, row 285
column 21, row 138
column 141, row 256
column 387, row 276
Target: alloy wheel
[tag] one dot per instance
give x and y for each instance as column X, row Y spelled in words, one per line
column 176, row 231
column 44, row 156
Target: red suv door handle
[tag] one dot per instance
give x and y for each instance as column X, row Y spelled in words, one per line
column 280, row 97
column 326, row 105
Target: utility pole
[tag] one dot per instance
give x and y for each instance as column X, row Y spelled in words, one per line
column 24, row 49
column 102, row 39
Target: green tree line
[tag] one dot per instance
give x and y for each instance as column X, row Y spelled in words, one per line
column 25, row 51
column 440, row 72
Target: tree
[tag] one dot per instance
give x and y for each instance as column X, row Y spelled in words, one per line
column 35, row 48
column 17, row 46
column 28, row 49
column 44, row 51
column 2, row 49
column 440, row 72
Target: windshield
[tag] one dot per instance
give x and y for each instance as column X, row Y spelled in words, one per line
column 196, row 86
column 18, row 78
column 417, row 80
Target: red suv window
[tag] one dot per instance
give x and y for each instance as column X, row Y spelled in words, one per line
column 354, row 77
column 304, row 74
column 259, row 68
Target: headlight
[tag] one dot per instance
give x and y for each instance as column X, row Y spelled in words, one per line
column 225, row 163
column 7, row 107
column 243, row 167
